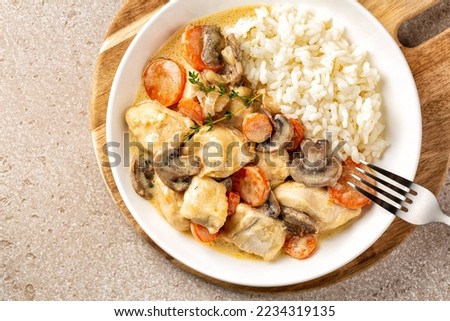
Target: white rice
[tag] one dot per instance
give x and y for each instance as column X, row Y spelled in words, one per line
column 314, row 74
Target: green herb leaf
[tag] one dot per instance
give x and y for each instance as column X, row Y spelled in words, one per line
column 209, row 121
column 233, row 94
column 228, row 115
column 188, row 136
column 207, row 89
column 222, row 89
column 193, row 77
column 247, row 101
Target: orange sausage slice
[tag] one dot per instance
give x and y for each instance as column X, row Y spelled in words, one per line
column 164, row 81
column 252, row 185
column 343, row 194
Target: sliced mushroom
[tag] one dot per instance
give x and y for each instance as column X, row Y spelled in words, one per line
column 142, row 174
column 298, row 223
column 233, row 69
column 315, row 168
column 271, row 207
column 281, row 135
column 213, row 45
column 174, row 170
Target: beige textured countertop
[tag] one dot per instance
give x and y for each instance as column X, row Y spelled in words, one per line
column 62, row 237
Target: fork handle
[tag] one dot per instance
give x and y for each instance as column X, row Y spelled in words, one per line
column 443, row 218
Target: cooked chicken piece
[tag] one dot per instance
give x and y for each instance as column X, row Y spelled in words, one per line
column 205, row 203
column 169, row 203
column 152, row 123
column 315, row 202
column 254, row 232
column 275, row 165
column 223, row 150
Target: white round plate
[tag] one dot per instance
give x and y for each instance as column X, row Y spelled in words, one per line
column 403, row 132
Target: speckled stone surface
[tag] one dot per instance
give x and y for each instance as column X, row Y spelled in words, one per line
column 62, row 237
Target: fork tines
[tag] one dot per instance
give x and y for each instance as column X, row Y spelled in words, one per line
column 392, row 202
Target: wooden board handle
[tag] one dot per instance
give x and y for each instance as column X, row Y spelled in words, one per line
column 392, row 13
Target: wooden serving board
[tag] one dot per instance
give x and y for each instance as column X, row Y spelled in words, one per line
column 431, row 68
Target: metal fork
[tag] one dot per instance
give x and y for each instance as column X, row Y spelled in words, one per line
column 403, row 198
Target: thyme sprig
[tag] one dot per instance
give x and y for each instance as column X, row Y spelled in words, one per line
column 248, row 101
column 209, row 122
column 222, row 90
column 193, row 79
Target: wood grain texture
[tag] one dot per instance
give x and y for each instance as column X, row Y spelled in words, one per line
column 430, row 66
column 392, row 13
column 431, row 70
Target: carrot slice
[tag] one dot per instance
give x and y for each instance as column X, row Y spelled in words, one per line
column 252, row 185
column 192, row 48
column 343, row 194
column 202, row 234
column 257, row 127
column 192, row 109
column 233, row 202
column 299, row 135
column 164, row 81
column 300, row 247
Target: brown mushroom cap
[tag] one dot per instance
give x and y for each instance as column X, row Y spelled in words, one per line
column 142, row 174
column 176, row 171
column 232, row 57
column 316, row 168
column 297, row 222
column 213, row 44
column 281, row 135
column 271, row 207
